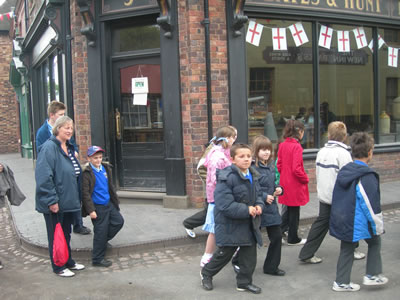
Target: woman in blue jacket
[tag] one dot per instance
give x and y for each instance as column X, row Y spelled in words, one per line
column 57, row 177
column 270, row 218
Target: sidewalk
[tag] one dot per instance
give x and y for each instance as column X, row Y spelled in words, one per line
column 147, row 226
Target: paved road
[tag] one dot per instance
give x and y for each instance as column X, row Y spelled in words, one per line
column 173, row 273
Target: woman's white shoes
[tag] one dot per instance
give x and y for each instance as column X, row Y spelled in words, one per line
column 66, row 273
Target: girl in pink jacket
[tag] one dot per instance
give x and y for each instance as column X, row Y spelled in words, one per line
column 218, row 158
column 293, row 178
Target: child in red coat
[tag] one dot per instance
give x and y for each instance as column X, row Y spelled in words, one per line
column 293, row 178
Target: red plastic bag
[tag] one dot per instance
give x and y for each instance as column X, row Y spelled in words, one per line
column 60, row 248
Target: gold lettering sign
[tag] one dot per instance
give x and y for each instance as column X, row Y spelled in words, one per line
column 128, row 3
column 111, row 6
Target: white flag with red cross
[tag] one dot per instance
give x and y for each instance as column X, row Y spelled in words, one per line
column 343, row 41
column 380, row 43
column 299, row 34
column 279, row 39
column 254, row 31
column 393, row 53
column 325, row 37
column 359, row 35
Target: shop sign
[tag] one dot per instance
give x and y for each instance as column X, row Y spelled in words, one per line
column 374, row 8
column 303, row 55
column 111, row 6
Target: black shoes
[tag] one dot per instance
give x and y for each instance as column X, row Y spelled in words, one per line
column 103, row 263
column 250, row 287
column 83, row 230
column 277, row 272
column 206, row 282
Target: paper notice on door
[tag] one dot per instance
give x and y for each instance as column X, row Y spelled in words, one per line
column 139, row 99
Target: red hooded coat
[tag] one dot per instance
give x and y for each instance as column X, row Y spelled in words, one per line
column 293, row 177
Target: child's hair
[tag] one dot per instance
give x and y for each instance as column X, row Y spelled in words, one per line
column 54, row 106
column 238, row 146
column 222, row 134
column 293, row 129
column 337, row 131
column 261, row 143
column 361, row 143
column 234, row 130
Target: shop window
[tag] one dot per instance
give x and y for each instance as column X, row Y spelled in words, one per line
column 389, row 89
column 346, row 84
column 280, row 84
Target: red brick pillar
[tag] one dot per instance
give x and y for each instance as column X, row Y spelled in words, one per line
column 9, row 113
column 193, row 83
column 80, row 83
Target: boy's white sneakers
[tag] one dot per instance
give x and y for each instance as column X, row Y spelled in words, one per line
column 66, row 273
column 351, row 287
column 358, row 255
column 375, row 279
column 190, row 233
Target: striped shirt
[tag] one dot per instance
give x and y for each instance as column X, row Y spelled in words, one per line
column 74, row 162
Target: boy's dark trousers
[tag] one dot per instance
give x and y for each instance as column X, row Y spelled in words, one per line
column 196, row 220
column 107, row 224
column 247, row 263
column 317, row 232
column 273, row 258
column 346, row 258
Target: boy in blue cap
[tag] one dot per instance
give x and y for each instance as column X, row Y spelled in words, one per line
column 100, row 202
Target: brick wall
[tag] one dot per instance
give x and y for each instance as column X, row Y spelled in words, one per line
column 193, row 82
column 9, row 113
column 80, row 83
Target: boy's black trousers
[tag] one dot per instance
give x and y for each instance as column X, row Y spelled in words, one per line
column 247, row 263
column 107, row 224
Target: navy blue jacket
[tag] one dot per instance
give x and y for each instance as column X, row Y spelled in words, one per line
column 56, row 181
column 270, row 215
column 233, row 195
column 43, row 134
column 356, row 209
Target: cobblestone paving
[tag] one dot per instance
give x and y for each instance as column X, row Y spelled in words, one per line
column 14, row 257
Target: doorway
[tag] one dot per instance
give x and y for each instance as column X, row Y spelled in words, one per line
column 139, row 133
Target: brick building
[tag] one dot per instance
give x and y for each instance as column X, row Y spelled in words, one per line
column 9, row 119
column 198, row 73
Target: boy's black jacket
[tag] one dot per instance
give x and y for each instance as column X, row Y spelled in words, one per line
column 233, row 195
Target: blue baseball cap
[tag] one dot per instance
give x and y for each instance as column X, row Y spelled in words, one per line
column 93, row 150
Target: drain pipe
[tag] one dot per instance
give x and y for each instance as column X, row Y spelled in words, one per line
column 206, row 23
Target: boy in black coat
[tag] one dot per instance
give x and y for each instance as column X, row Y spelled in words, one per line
column 100, row 202
column 238, row 206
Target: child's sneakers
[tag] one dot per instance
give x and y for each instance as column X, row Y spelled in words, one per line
column 375, row 279
column 358, row 255
column 190, row 233
column 351, row 287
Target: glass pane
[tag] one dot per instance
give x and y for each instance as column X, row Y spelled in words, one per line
column 346, row 84
column 142, row 123
column 389, row 112
column 47, row 81
column 280, row 84
column 136, row 38
column 55, row 78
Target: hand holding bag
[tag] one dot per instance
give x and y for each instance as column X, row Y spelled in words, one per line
column 60, row 248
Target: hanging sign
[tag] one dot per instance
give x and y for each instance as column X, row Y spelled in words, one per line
column 140, row 89
column 111, row 6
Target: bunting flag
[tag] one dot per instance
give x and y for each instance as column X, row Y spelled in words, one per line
column 254, row 31
column 359, row 35
column 279, row 39
column 343, row 41
column 9, row 15
column 392, row 56
column 299, row 34
column 381, row 42
column 325, row 37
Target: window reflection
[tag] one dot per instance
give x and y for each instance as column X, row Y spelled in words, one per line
column 389, row 113
column 280, row 84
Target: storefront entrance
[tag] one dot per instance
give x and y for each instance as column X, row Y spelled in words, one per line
column 139, row 132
